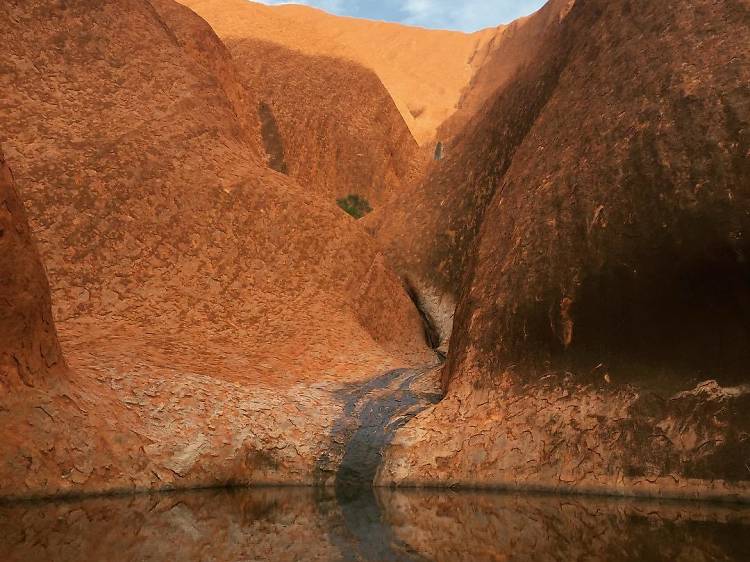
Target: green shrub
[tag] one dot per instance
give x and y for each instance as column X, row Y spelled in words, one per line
column 355, row 205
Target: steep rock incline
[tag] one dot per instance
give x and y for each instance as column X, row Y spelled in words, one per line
column 166, row 213
column 424, row 70
column 209, row 307
column 50, row 437
column 609, row 277
column 428, row 231
column 29, row 350
column 628, row 199
column 198, row 40
column 330, row 123
column 511, row 48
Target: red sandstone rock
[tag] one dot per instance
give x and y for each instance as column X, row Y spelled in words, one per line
column 209, row 308
column 214, row 312
column 512, row 47
column 598, row 246
column 30, row 353
column 339, row 132
column 428, row 231
column 425, row 70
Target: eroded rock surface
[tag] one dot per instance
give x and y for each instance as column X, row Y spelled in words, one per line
column 425, row 70
column 564, row 435
column 616, row 230
column 208, row 307
column 30, row 352
column 223, row 324
column 339, row 131
column 428, row 231
column 599, row 240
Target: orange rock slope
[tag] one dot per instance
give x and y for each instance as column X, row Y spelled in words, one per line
column 223, row 323
column 427, row 230
column 207, row 306
column 424, row 70
column 327, row 122
column 30, row 353
column 511, row 48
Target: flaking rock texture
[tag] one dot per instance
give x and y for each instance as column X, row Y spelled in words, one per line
column 511, row 48
column 601, row 336
column 618, row 232
column 328, row 122
column 426, row 71
column 428, row 231
column 208, row 307
column 198, row 40
column 30, row 352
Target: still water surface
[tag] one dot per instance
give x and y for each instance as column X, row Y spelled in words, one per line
column 297, row 524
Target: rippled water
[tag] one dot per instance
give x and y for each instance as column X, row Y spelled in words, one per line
column 285, row 524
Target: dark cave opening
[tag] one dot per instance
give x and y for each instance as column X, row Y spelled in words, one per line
column 684, row 318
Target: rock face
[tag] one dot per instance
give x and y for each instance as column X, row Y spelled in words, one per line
column 428, row 231
column 30, row 352
column 209, row 308
column 622, row 239
column 606, row 210
column 223, row 324
column 197, row 40
column 426, row 71
column 329, row 122
column 217, row 246
column 512, row 47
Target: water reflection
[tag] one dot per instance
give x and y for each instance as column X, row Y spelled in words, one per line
column 291, row 524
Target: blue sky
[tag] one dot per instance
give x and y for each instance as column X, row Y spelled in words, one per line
column 464, row 15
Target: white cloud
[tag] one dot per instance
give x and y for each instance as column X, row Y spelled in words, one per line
column 465, row 15
column 334, row 6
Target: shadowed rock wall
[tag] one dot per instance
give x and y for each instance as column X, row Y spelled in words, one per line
column 617, row 235
column 601, row 336
column 429, row 231
column 29, row 350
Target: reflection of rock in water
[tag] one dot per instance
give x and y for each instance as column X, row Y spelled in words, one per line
column 291, row 524
column 218, row 525
column 372, row 414
column 358, row 529
column 448, row 526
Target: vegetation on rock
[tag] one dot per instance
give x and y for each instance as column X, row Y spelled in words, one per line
column 354, row 205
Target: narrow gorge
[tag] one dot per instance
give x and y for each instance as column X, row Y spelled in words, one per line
column 247, row 246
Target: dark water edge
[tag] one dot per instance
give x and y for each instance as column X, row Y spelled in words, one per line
column 301, row 524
